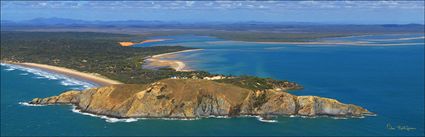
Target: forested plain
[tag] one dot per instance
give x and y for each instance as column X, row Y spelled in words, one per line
column 100, row 53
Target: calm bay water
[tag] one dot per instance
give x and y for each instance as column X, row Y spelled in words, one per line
column 388, row 81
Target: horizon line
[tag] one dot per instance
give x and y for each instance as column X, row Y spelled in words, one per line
column 191, row 22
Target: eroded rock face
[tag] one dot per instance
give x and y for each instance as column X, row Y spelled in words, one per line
column 189, row 98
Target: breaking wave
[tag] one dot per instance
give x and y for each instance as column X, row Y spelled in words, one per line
column 266, row 120
column 44, row 74
column 31, row 105
column 107, row 119
column 261, row 119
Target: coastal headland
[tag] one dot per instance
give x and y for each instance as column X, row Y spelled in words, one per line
column 196, row 98
column 188, row 99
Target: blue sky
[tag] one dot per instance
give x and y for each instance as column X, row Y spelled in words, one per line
column 354, row 12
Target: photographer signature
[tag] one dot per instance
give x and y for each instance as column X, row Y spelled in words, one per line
column 400, row 127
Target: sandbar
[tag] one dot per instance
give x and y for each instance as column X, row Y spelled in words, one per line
column 160, row 60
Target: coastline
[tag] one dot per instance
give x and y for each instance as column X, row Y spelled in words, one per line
column 371, row 42
column 340, row 43
column 158, row 61
column 102, row 81
column 127, row 44
column 152, row 40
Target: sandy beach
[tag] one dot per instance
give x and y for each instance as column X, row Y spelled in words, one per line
column 153, row 40
column 161, row 60
column 126, row 43
column 72, row 73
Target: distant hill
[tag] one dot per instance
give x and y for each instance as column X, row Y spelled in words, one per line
column 257, row 30
column 45, row 21
column 65, row 21
column 54, row 21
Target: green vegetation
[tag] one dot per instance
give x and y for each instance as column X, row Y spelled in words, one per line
column 100, row 53
column 271, row 36
column 252, row 82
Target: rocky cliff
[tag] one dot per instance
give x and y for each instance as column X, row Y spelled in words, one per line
column 190, row 98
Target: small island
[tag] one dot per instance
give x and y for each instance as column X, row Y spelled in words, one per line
column 132, row 91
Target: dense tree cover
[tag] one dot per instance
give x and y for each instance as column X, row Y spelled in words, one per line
column 100, row 53
column 87, row 52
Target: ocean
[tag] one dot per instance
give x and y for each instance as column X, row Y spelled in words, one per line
column 386, row 80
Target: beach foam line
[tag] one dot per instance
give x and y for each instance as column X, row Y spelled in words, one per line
column 10, row 69
column 23, row 74
column 44, row 74
column 72, row 73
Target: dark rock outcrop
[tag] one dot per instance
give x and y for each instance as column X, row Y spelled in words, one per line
column 178, row 98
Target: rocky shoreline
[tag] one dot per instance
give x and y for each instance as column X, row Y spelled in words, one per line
column 189, row 98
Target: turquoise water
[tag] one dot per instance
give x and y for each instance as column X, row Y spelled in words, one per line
column 386, row 80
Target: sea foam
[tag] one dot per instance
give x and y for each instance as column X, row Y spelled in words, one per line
column 261, row 119
column 44, row 74
column 266, row 120
column 31, row 105
column 107, row 119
